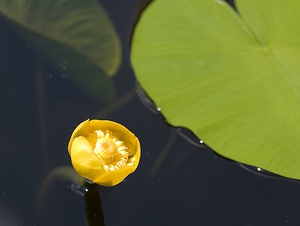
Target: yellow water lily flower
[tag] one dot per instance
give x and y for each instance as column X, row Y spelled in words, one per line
column 104, row 152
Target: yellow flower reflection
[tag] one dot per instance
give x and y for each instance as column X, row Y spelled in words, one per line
column 104, row 152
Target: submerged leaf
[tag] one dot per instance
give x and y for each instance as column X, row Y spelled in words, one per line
column 76, row 36
column 230, row 77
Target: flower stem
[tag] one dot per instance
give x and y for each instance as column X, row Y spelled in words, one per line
column 93, row 208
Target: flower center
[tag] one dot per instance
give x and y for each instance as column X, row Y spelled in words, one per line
column 106, row 148
column 112, row 151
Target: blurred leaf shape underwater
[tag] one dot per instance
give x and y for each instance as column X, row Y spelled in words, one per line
column 77, row 37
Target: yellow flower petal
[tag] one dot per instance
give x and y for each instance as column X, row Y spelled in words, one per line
column 105, row 152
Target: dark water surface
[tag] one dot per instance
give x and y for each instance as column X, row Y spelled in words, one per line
column 176, row 183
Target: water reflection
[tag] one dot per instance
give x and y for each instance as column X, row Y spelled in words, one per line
column 265, row 173
column 146, row 100
column 189, row 136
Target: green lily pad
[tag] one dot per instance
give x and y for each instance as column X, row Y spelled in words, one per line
column 76, row 36
column 231, row 77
